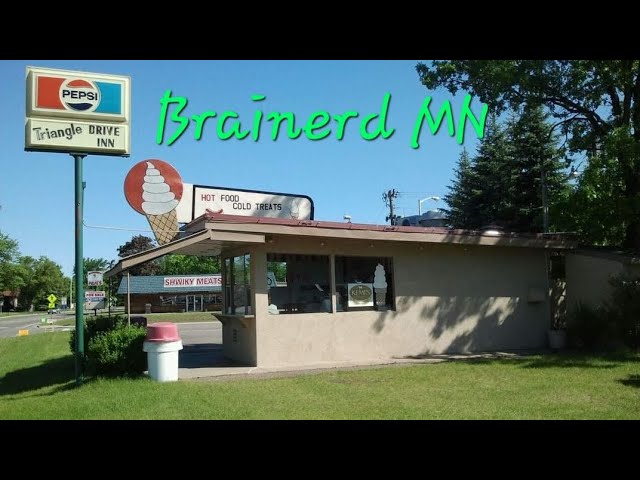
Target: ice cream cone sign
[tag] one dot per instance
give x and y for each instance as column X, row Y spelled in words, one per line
column 153, row 188
column 380, row 285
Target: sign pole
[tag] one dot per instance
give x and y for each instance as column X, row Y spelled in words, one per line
column 79, row 194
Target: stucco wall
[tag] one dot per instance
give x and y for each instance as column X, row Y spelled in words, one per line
column 449, row 298
column 241, row 346
column 588, row 278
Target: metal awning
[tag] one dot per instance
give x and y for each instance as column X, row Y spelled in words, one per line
column 205, row 242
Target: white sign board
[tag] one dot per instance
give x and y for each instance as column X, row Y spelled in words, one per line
column 94, row 299
column 94, row 279
column 96, row 295
column 192, row 281
column 77, row 112
column 63, row 301
column 360, row 294
column 196, row 199
column 74, row 136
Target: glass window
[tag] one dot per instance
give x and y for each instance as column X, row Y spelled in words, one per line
column 237, row 285
column 364, row 283
column 298, row 283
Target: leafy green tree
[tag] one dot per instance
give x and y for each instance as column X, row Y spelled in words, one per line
column 594, row 209
column 42, row 277
column 11, row 274
column 596, row 105
column 138, row 244
column 189, row 265
column 8, row 248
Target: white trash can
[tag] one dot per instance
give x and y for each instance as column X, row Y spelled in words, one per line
column 163, row 345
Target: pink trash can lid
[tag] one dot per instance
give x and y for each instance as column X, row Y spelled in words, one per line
column 162, row 332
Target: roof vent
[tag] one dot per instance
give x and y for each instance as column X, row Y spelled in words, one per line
column 492, row 231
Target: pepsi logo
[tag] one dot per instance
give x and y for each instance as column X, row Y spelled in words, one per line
column 79, row 95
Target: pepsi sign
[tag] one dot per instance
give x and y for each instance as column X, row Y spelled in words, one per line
column 78, row 95
column 77, row 112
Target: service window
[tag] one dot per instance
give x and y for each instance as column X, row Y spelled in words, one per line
column 298, row 283
column 237, row 285
column 364, row 283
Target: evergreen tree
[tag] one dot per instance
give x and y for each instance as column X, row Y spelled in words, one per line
column 490, row 187
column 502, row 184
column 534, row 152
column 459, row 197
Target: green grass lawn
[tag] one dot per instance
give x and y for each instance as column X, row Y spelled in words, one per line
column 36, row 374
column 155, row 317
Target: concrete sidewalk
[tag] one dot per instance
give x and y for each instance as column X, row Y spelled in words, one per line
column 227, row 371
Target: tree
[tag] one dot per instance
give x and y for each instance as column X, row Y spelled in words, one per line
column 8, row 248
column 502, row 183
column 596, row 104
column 93, row 265
column 594, row 209
column 11, row 274
column 534, row 151
column 460, row 195
column 189, row 265
column 42, row 277
column 138, row 244
column 490, row 198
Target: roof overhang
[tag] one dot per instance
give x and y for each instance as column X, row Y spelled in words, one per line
column 393, row 234
column 203, row 243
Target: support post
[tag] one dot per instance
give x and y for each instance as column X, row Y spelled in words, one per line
column 79, row 200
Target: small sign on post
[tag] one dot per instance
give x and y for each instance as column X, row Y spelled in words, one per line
column 94, row 279
column 94, row 299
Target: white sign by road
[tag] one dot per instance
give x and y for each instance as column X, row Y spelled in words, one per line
column 94, row 279
column 72, row 135
column 94, row 295
column 197, row 199
column 94, row 299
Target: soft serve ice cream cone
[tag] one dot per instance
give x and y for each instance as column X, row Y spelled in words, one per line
column 159, row 205
column 154, row 189
column 380, row 285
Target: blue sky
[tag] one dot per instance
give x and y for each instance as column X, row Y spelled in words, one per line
column 342, row 177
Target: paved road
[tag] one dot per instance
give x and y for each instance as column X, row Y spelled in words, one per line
column 202, row 341
column 9, row 326
column 209, row 333
column 201, row 333
column 202, row 345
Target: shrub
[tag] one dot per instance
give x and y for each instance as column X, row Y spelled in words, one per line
column 624, row 308
column 93, row 326
column 118, row 351
column 590, row 327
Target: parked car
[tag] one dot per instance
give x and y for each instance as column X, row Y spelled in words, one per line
column 54, row 310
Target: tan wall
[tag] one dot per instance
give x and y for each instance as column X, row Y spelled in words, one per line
column 242, row 348
column 448, row 299
column 588, row 278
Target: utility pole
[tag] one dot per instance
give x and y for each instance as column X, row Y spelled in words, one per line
column 388, row 198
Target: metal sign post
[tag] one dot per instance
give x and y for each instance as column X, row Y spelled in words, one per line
column 79, row 270
column 77, row 113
